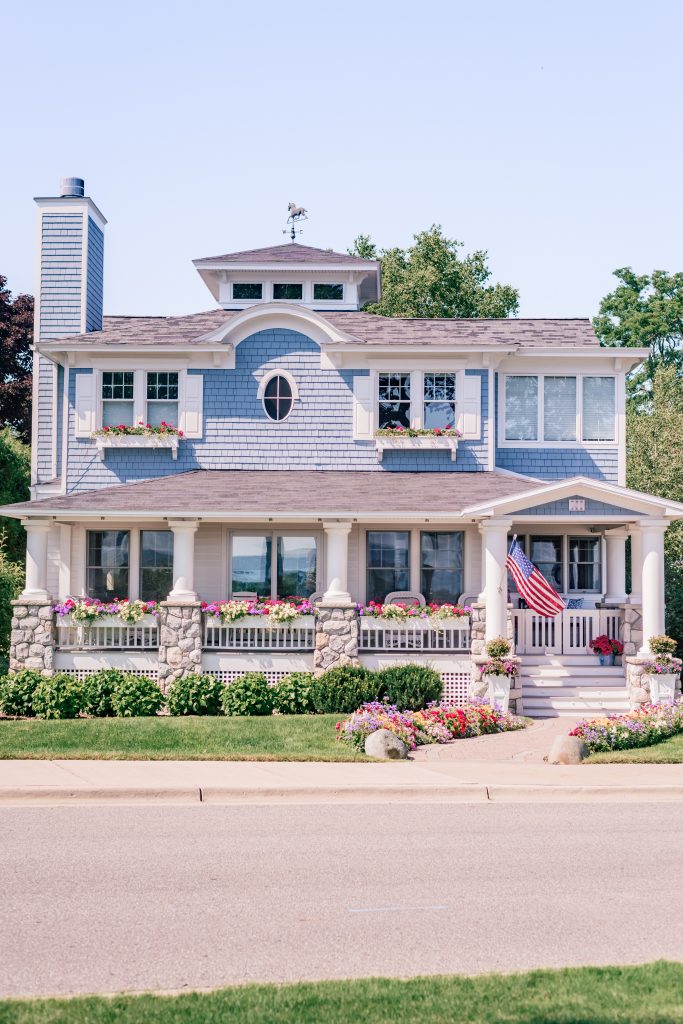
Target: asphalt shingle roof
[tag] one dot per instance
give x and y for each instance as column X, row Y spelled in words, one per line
column 289, row 252
column 307, row 493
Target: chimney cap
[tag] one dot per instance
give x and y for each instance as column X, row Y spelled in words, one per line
column 73, row 187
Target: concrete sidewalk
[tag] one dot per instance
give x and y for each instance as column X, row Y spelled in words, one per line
column 235, row 782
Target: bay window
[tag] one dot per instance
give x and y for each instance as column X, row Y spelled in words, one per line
column 556, row 409
column 274, row 565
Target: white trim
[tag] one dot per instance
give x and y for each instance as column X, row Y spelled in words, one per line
column 583, row 486
column 66, row 383
column 504, row 443
column 84, row 271
column 278, row 373
column 491, row 420
column 53, row 446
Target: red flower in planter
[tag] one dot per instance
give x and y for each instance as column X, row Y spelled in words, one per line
column 605, row 645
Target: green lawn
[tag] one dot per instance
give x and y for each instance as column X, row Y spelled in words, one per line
column 272, row 738
column 652, row 994
column 669, row 751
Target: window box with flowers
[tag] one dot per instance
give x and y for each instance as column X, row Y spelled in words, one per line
column 282, row 625
column 498, row 671
column 87, row 623
column 606, row 649
column 392, row 438
column 142, row 435
column 663, row 669
column 410, row 627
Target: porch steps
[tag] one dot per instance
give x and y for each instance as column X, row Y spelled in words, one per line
column 556, row 685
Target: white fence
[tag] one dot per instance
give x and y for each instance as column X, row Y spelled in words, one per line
column 107, row 633
column 569, row 632
column 377, row 634
column 260, row 634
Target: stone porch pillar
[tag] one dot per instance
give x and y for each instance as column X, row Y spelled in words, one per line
column 636, row 597
column 180, row 640
column 337, row 563
column 183, row 591
column 652, row 532
column 616, row 567
column 495, row 534
column 37, row 532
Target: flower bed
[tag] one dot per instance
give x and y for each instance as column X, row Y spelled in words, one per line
column 402, row 612
column 437, row 723
column 277, row 612
column 641, row 727
column 89, row 610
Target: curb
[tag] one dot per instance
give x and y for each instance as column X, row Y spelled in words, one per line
column 461, row 793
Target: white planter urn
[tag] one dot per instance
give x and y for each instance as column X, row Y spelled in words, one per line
column 499, row 691
column 662, row 687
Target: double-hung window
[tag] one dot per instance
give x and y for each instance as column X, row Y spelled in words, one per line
column 118, row 398
column 388, row 563
column 584, row 564
column 559, row 409
column 394, row 400
column 162, row 399
column 439, row 397
column 441, row 566
column 546, row 554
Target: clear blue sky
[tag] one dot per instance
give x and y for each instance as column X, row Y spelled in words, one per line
column 547, row 133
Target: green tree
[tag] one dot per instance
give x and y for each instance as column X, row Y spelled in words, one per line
column 432, row 279
column 15, row 475
column 645, row 309
column 16, row 338
column 655, row 464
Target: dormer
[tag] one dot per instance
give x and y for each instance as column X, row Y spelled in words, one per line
column 300, row 274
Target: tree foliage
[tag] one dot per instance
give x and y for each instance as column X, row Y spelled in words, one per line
column 15, row 475
column 655, row 465
column 644, row 309
column 16, row 338
column 431, row 278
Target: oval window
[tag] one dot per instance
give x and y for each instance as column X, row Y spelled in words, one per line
column 277, row 398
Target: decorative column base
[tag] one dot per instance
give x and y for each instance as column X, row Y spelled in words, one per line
column 336, row 636
column 34, row 636
column 180, row 641
column 638, row 681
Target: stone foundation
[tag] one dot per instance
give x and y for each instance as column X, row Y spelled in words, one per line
column 631, row 629
column 33, row 638
column 180, row 641
column 638, row 681
column 337, row 633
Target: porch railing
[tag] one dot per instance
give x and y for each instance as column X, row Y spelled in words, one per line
column 108, row 634
column 378, row 634
column 569, row 632
column 260, row 635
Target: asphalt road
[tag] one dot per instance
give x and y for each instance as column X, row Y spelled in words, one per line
column 105, row 899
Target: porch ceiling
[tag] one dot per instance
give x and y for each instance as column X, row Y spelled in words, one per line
column 278, row 494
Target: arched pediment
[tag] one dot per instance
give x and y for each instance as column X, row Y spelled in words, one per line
column 277, row 316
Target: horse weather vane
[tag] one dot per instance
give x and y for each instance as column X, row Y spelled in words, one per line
column 296, row 215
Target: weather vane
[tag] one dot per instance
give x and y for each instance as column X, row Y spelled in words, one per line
column 296, row 214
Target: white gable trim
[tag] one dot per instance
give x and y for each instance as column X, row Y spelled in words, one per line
column 640, row 502
column 277, row 316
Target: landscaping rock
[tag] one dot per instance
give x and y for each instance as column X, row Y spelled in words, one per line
column 386, row 744
column 568, row 750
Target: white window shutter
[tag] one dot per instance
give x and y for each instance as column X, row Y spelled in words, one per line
column 363, row 408
column 85, row 404
column 469, row 420
column 193, row 405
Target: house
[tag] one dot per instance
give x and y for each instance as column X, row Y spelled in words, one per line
column 277, row 482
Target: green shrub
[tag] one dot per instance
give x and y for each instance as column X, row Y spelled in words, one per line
column 11, row 581
column 136, row 697
column 98, row 691
column 248, row 695
column 16, row 692
column 343, row 689
column 499, row 647
column 58, row 696
column 195, row 695
column 292, row 695
column 409, row 687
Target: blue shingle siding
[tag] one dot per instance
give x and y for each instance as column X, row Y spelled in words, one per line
column 46, row 420
column 61, row 266
column 318, row 434
column 95, row 269
column 561, row 508
column 59, row 418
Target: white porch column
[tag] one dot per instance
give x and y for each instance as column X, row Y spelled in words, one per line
column 652, row 532
column 336, row 562
column 495, row 534
column 183, row 560
column 636, row 597
column 37, row 531
column 616, row 566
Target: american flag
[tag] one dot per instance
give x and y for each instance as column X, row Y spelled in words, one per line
column 532, row 584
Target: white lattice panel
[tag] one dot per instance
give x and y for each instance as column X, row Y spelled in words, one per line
column 456, row 686
column 83, row 673
column 230, row 675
